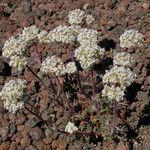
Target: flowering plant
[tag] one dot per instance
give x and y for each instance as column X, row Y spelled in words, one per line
column 75, row 77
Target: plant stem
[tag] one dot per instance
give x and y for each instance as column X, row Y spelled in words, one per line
column 94, row 90
column 114, row 115
column 45, row 86
column 66, row 99
column 93, row 86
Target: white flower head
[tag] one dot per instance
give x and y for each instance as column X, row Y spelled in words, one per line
column 89, row 19
column 70, row 128
column 76, row 16
column 131, row 38
column 71, row 68
column 123, row 59
column 119, row 75
column 30, row 33
column 54, row 65
column 12, row 47
column 113, row 92
column 88, row 56
column 18, row 62
column 11, row 94
column 87, row 37
column 62, row 34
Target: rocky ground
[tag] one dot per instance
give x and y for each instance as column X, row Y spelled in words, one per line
column 23, row 130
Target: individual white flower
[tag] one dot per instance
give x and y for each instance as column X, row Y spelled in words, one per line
column 113, row 92
column 119, row 75
column 13, row 47
column 11, row 94
column 87, row 37
column 76, row 16
column 131, row 38
column 30, row 33
column 71, row 68
column 18, row 62
column 70, row 128
column 88, row 56
column 89, row 19
column 123, row 59
column 54, row 65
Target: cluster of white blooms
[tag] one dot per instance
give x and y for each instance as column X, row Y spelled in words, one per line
column 123, row 59
column 113, row 93
column 87, row 37
column 11, row 94
column 89, row 19
column 62, row 34
column 70, row 128
column 87, row 56
column 13, row 47
column 18, row 62
column 131, row 38
column 76, row 16
column 71, row 68
column 54, row 65
column 30, row 33
column 119, row 76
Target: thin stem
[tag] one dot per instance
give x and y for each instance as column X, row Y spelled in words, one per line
column 79, row 82
column 36, row 114
column 45, row 86
column 93, row 85
column 94, row 90
column 114, row 115
column 61, row 87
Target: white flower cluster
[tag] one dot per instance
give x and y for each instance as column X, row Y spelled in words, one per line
column 71, row 68
column 14, row 48
column 11, row 94
column 54, row 65
column 88, row 56
column 89, row 19
column 30, row 33
column 87, row 37
column 120, row 76
column 112, row 92
column 62, row 34
column 123, row 59
column 18, row 62
column 131, row 38
column 70, row 128
column 76, row 16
